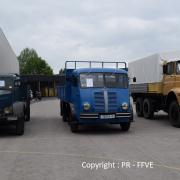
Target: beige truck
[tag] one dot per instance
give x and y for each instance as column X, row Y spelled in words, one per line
column 156, row 85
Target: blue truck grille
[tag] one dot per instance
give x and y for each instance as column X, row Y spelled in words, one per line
column 112, row 102
column 99, row 102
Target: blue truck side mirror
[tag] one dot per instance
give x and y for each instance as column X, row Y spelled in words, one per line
column 134, row 79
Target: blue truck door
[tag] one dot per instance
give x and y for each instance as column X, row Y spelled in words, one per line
column 75, row 90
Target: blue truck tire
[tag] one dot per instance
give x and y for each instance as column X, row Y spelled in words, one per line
column 125, row 126
column 132, row 115
column 72, row 122
column 74, row 127
column 63, row 110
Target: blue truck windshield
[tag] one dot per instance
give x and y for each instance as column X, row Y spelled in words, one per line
column 100, row 80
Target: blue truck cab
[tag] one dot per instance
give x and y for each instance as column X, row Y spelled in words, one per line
column 95, row 95
column 14, row 102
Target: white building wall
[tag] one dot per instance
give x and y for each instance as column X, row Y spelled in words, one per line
column 8, row 60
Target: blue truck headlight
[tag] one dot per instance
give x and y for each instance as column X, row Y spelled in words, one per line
column 8, row 110
column 125, row 106
column 86, row 106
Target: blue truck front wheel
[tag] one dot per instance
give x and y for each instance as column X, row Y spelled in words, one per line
column 125, row 126
column 63, row 108
column 74, row 127
column 73, row 123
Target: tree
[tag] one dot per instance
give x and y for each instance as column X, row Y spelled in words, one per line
column 31, row 63
column 61, row 71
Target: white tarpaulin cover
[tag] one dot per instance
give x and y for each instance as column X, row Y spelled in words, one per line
column 8, row 61
column 149, row 69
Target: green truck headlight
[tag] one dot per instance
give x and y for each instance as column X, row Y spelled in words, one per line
column 8, row 110
column 125, row 106
column 86, row 106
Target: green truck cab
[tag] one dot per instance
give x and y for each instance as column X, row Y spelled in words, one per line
column 14, row 102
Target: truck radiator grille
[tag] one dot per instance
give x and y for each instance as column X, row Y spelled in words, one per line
column 99, row 103
column 112, row 102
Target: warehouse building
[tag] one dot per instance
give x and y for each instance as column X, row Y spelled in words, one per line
column 45, row 84
column 9, row 64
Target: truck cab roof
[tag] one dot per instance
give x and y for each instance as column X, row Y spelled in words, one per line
column 9, row 76
column 99, row 70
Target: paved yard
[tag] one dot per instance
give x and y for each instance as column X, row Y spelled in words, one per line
column 49, row 151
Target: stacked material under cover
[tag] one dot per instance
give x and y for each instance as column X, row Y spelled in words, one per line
column 149, row 69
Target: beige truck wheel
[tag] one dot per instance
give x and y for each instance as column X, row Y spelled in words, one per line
column 174, row 114
column 139, row 107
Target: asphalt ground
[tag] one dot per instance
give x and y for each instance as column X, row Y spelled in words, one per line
column 49, row 151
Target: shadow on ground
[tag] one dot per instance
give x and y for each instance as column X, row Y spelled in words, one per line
column 7, row 131
column 101, row 129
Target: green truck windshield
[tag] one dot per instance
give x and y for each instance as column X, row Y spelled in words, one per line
column 100, row 80
column 6, row 83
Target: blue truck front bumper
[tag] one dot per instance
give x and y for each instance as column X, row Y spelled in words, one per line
column 95, row 118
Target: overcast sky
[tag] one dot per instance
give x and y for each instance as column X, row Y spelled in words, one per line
column 91, row 29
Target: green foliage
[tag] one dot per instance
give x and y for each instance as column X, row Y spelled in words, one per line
column 31, row 63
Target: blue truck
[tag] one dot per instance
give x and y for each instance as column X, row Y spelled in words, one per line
column 14, row 102
column 95, row 95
